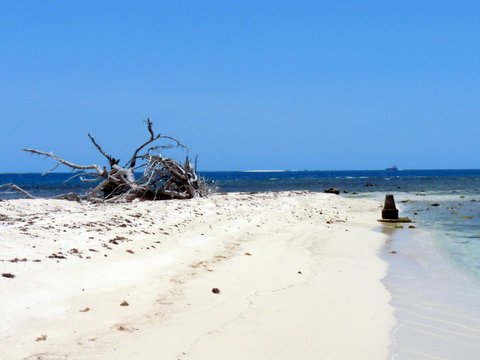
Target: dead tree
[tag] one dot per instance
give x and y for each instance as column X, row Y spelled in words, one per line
column 162, row 177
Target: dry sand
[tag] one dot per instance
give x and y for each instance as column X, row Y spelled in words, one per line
column 298, row 277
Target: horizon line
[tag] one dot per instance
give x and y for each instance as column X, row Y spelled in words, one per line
column 275, row 170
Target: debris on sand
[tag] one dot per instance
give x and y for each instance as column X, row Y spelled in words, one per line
column 58, row 255
column 41, row 338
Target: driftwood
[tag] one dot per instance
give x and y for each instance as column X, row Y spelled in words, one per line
column 162, row 178
column 68, row 196
column 17, row 189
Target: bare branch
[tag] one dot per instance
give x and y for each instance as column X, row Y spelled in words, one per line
column 18, row 189
column 82, row 178
column 65, row 162
column 68, row 196
column 52, row 169
column 152, row 138
column 177, row 144
column 112, row 161
column 150, row 128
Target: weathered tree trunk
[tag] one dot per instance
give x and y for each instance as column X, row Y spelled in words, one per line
column 162, row 178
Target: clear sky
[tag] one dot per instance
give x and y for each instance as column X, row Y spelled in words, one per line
column 246, row 84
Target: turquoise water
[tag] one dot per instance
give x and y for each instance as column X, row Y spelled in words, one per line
column 454, row 219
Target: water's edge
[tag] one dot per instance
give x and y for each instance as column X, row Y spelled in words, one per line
column 437, row 307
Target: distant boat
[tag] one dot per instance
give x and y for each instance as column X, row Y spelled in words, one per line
column 393, row 168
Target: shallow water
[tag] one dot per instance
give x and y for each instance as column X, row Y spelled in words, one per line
column 436, row 306
column 454, row 222
column 433, row 275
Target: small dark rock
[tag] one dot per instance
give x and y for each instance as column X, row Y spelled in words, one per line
column 56, row 256
column 435, row 204
column 216, row 290
column 332, row 191
column 8, row 275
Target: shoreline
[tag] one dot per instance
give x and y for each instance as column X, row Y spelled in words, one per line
column 298, row 274
column 436, row 305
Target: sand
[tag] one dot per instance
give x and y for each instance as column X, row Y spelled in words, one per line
column 296, row 276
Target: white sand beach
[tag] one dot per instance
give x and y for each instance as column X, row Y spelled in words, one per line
column 297, row 273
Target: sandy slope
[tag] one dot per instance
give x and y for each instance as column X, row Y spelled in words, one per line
column 298, row 276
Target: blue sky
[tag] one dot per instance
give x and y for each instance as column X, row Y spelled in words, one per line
column 246, row 84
